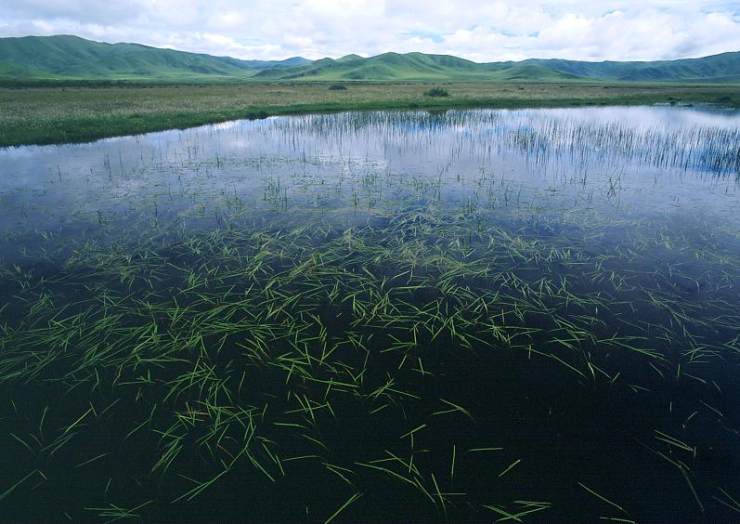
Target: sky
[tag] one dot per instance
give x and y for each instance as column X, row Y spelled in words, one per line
column 478, row 30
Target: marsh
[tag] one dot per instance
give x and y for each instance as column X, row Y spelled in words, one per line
column 526, row 315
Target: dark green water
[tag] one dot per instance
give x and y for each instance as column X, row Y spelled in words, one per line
column 470, row 316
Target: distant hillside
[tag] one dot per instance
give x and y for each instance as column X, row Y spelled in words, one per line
column 718, row 68
column 418, row 66
column 411, row 66
column 73, row 58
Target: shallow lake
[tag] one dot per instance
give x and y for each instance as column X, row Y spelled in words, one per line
column 463, row 316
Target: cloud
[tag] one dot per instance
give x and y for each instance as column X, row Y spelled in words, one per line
column 482, row 31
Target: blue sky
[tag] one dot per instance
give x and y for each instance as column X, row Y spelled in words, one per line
column 478, row 30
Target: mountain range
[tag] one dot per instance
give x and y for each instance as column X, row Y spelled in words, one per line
column 65, row 57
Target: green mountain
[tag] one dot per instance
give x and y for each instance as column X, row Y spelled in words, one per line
column 388, row 66
column 73, row 58
column 418, row 66
column 718, row 68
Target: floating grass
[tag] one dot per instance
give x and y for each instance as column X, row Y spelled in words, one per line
column 409, row 306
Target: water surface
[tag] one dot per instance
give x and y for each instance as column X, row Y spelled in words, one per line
column 480, row 315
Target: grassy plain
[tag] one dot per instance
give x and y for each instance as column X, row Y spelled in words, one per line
column 76, row 113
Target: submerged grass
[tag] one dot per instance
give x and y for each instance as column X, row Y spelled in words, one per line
column 234, row 354
column 375, row 346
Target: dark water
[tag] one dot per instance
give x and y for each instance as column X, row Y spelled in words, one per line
column 468, row 316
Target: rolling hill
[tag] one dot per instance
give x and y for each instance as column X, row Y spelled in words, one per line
column 724, row 67
column 419, row 66
column 411, row 66
column 72, row 58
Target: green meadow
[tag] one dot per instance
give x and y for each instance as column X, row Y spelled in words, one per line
column 44, row 113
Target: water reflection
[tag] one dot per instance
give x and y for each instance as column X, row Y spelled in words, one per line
column 649, row 159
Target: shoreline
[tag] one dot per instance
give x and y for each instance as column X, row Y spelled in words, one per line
column 61, row 115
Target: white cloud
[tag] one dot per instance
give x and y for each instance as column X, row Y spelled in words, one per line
column 482, row 31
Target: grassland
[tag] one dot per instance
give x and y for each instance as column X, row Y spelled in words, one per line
column 78, row 113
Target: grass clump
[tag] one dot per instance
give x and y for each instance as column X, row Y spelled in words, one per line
column 437, row 92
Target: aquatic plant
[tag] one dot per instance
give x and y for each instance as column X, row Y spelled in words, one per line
column 447, row 340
